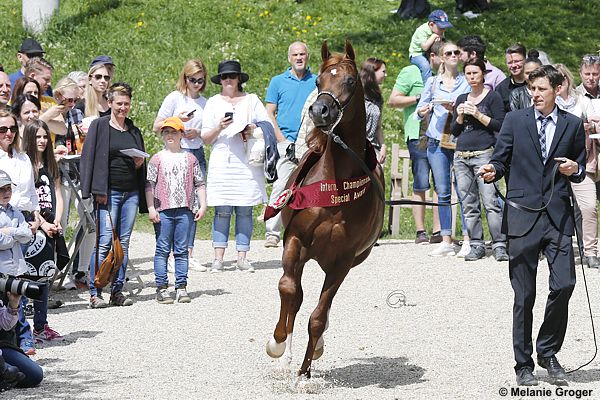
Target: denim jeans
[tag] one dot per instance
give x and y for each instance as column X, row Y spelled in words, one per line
column 33, row 372
column 423, row 63
column 199, row 154
column 123, row 208
column 466, row 172
column 440, row 160
column 419, row 165
column 243, row 226
column 40, row 315
column 171, row 233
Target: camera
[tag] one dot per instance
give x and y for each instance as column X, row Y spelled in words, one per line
column 23, row 287
column 229, row 115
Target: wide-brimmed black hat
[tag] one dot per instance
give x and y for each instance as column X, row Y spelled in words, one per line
column 229, row 67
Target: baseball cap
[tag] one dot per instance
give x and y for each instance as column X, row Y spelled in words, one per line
column 440, row 18
column 102, row 60
column 31, row 46
column 173, row 122
column 5, row 179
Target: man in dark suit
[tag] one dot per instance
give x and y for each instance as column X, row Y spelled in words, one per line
column 539, row 217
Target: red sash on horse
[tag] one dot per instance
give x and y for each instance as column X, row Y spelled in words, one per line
column 325, row 193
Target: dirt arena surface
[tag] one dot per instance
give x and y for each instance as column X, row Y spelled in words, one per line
column 448, row 336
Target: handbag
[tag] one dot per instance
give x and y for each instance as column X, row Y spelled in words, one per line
column 447, row 140
column 113, row 261
column 255, row 144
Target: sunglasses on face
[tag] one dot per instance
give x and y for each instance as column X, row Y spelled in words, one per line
column 229, row 76
column 199, row 81
column 13, row 129
column 449, row 53
column 68, row 100
column 100, row 76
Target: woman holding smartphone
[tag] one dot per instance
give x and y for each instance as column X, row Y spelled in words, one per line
column 232, row 183
column 187, row 103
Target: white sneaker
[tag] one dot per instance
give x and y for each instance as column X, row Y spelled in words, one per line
column 171, row 265
column 443, row 249
column 217, row 266
column 195, row 265
column 244, row 265
column 464, row 250
column 69, row 283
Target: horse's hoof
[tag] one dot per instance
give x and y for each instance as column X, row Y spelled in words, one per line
column 274, row 349
column 319, row 348
column 318, row 352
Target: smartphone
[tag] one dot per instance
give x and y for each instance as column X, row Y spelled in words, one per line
column 191, row 114
column 228, row 115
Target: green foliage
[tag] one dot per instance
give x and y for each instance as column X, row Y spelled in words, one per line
column 151, row 39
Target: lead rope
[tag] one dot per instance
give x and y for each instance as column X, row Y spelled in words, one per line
column 587, row 294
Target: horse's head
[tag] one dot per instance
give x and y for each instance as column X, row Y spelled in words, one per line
column 337, row 82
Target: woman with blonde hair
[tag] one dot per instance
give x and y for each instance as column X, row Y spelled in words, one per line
column 95, row 102
column 586, row 211
column 436, row 102
column 187, row 103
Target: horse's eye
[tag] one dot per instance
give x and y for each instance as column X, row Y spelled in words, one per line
column 350, row 81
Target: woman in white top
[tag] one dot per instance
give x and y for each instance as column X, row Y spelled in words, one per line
column 232, row 184
column 585, row 192
column 18, row 166
column 187, row 103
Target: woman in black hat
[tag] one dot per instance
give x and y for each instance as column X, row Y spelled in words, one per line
column 233, row 184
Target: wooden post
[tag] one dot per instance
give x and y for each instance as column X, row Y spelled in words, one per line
column 37, row 13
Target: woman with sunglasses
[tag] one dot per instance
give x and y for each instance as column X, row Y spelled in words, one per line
column 232, row 184
column 187, row 103
column 478, row 116
column 116, row 181
column 436, row 102
column 24, row 196
column 95, row 102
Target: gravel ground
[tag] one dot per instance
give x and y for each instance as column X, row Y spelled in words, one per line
column 451, row 339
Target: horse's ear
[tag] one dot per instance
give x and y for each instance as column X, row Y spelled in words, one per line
column 325, row 53
column 349, row 50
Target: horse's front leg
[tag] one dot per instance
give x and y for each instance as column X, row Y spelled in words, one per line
column 290, row 293
column 318, row 322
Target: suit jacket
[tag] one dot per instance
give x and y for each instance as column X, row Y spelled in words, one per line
column 518, row 149
column 94, row 164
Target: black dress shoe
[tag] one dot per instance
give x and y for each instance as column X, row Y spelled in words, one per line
column 525, row 377
column 551, row 364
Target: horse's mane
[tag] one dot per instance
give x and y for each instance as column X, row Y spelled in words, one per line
column 316, row 139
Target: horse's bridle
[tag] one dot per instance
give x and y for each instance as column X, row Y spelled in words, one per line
column 337, row 101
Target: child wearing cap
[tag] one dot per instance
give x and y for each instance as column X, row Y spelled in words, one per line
column 176, row 197
column 422, row 39
column 14, row 231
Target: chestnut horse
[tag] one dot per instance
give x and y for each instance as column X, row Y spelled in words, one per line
column 338, row 237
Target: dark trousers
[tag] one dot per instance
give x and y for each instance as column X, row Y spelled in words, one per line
column 524, row 252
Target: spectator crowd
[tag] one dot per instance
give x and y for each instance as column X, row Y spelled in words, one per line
column 454, row 102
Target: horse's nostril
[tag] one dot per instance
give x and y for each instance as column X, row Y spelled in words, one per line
column 324, row 111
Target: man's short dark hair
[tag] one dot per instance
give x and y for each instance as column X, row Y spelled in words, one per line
column 548, row 71
column 472, row 43
column 517, row 48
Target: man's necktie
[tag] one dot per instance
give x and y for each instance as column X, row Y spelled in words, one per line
column 542, row 135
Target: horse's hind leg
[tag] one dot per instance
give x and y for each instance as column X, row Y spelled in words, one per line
column 319, row 318
column 290, row 293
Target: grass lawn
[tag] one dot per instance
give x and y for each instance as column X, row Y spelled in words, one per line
column 151, row 39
